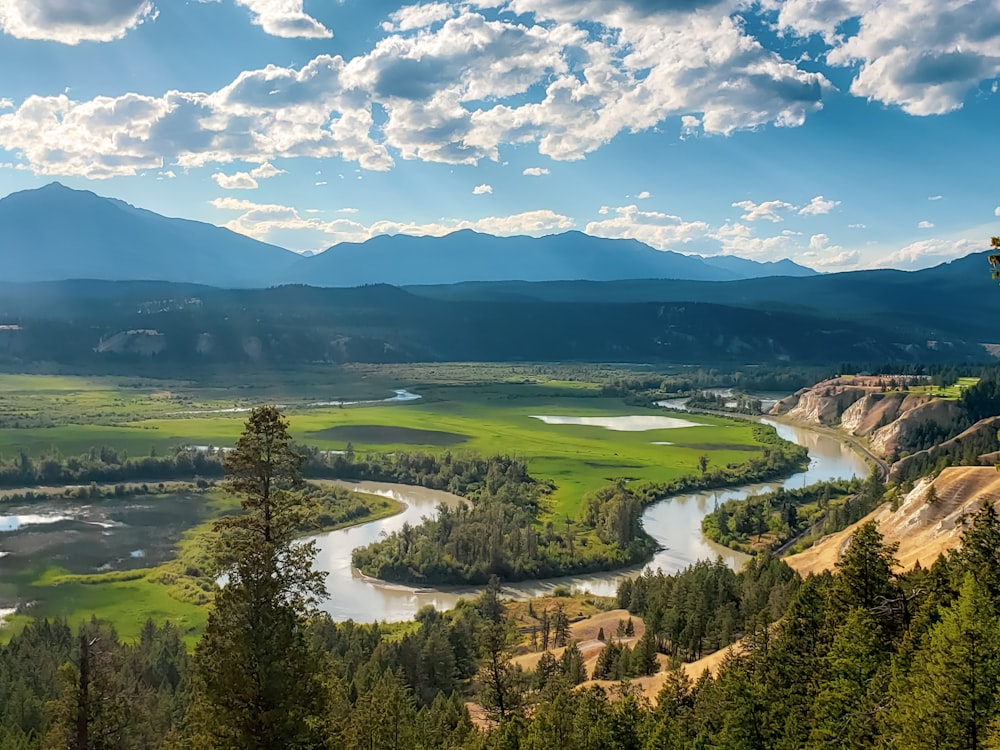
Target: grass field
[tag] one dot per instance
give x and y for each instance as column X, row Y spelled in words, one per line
column 487, row 418
column 481, row 408
column 952, row 392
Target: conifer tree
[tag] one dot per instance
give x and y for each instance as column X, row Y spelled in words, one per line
column 866, row 571
column 257, row 681
column 949, row 697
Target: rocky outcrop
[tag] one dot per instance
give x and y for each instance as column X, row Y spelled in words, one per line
column 924, row 525
column 861, row 408
column 822, row 404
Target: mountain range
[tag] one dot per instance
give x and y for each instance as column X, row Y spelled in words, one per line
column 55, row 233
column 152, row 292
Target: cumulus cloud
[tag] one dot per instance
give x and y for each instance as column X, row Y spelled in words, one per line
column 285, row 18
column 857, row 226
column 922, row 55
column 823, row 254
column 535, row 171
column 75, row 21
column 262, row 221
column 238, row 181
column 643, row 195
column 996, row 211
column 483, row 189
column 247, row 180
column 766, row 211
column 660, row 230
column 454, row 92
column 418, row 16
column 925, row 225
column 262, row 114
column 934, row 197
column 690, row 126
column 818, row 206
column 926, row 253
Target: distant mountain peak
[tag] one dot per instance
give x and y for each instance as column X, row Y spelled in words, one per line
column 106, row 238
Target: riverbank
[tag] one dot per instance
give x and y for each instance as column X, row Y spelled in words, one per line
column 176, row 590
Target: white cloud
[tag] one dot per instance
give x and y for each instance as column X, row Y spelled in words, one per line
column 266, row 171
column 823, row 254
column 925, row 225
column 418, row 16
column 996, row 211
column 238, row 181
column 926, row 253
column 246, row 180
column 347, row 210
column 766, row 211
column 6, row 103
column 643, row 195
column 922, row 55
column 263, row 221
column 73, row 21
column 659, row 230
column 690, row 126
column 285, row 18
column 483, row 189
column 934, row 197
column 857, row 226
column 535, row 171
column 739, row 239
column 818, row 206
column 455, row 93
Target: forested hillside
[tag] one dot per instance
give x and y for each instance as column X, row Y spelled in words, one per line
column 154, row 325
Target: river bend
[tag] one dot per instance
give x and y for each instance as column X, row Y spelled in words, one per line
column 675, row 524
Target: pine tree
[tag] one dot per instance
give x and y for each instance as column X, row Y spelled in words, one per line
column 852, row 686
column 980, row 551
column 257, row 679
column 866, row 571
column 501, row 692
column 948, row 699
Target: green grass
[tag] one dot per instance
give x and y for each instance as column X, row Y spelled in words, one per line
column 492, row 405
column 951, row 392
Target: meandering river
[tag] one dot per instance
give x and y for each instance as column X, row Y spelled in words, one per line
column 674, row 523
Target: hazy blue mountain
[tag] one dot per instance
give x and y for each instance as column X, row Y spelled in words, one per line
column 752, row 269
column 55, row 233
column 471, row 256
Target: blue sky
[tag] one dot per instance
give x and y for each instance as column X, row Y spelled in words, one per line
column 840, row 133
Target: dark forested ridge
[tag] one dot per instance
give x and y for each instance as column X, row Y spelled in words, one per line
column 134, row 324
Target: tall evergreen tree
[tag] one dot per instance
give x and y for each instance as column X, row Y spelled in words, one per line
column 866, row 571
column 257, row 682
column 948, row 699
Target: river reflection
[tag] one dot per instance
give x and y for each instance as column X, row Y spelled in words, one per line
column 674, row 523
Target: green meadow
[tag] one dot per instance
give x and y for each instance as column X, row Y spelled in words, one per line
column 478, row 408
column 483, row 417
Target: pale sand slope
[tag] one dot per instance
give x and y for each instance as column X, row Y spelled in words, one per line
column 922, row 531
column 585, row 633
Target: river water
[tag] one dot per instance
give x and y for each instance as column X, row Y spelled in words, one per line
column 674, row 523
